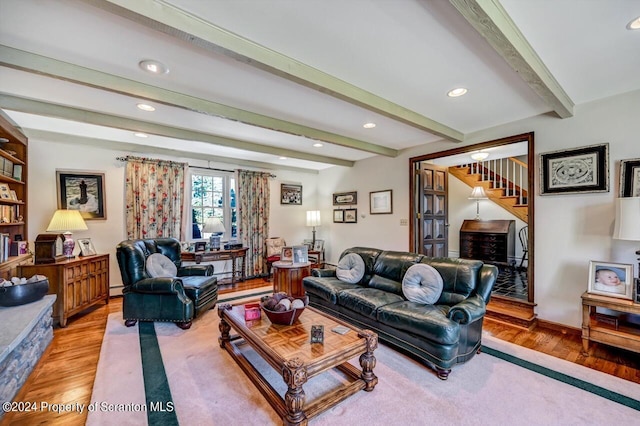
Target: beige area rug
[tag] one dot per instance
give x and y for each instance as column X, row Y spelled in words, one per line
column 208, row 388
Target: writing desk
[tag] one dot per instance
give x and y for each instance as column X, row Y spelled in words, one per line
column 216, row 255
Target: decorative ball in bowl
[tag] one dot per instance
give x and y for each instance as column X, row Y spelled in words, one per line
column 283, row 309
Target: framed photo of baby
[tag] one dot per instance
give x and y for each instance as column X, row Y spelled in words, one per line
column 611, row 279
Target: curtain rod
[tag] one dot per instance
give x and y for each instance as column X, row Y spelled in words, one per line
column 200, row 167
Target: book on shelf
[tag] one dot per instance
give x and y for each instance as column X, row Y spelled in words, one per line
column 17, row 172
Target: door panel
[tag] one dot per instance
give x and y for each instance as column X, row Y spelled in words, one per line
column 431, row 216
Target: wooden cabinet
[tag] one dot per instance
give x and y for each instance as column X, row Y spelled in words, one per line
column 288, row 277
column 79, row 283
column 13, row 195
column 492, row 241
column 618, row 323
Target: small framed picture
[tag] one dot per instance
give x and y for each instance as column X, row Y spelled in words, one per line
column 338, row 216
column 345, row 198
column 300, row 254
column 351, row 216
column 287, row 254
column 201, row 246
column 5, row 191
column 319, row 246
column 611, row 279
column 317, row 334
column 290, row 194
column 86, row 247
column 84, row 191
column 23, row 247
column 637, row 295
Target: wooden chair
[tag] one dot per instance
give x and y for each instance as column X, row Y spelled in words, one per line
column 274, row 249
column 523, row 235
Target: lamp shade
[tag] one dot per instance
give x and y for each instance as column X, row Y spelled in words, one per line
column 313, row 218
column 478, row 194
column 213, row 225
column 627, row 225
column 67, row 220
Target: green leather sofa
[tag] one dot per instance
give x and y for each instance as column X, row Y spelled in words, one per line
column 177, row 299
column 440, row 335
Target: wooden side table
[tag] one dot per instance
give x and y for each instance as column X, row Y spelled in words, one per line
column 617, row 330
column 287, row 277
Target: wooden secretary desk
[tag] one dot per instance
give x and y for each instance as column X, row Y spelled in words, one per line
column 492, row 241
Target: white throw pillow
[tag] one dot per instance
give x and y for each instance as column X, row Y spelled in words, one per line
column 422, row 283
column 350, row 268
column 159, row 265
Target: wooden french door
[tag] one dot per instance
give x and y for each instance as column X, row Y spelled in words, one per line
column 431, row 220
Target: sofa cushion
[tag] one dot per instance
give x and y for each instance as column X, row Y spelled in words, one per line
column 460, row 277
column 366, row 301
column 422, row 284
column 326, row 288
column 427, row 321
column 350, row 268
column 159, row 265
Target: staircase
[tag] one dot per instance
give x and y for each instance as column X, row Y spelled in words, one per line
column 504, row 181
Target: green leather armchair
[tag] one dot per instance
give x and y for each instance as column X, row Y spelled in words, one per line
column 177, row 299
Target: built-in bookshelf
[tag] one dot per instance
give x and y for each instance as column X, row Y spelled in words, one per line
column 13, row 197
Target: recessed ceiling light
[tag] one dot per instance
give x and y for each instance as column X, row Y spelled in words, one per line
column 141, row 135
column 153, row 67
column 634, row 25
column 318, row 145
column 479, row 156
column 369, row 125
column 457, row 92
column 146, row 107
column 283, row 158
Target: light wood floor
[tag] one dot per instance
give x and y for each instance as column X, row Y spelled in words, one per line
column 66, row 372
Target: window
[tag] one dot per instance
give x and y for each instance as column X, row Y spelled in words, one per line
column 213, row 195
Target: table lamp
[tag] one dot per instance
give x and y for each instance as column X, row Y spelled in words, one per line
column 214, row 226
column 478, row 194
column 65, row 221
column 627, row 225
column 313, row 219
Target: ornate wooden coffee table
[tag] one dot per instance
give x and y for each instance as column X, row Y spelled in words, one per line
column 288, row 350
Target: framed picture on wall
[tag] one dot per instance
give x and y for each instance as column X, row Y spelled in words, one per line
column 290, row 194
column 381, row 202
column 351, row 216
column 83, row 191
column 584, row 169
column 338, row 216
column 611, row 279
column 345, row 198
column 630, row 178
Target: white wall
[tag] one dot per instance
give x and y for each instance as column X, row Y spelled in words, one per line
column 570, row 230
column 45, row 157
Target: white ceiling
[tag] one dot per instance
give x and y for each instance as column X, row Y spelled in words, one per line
column 252, row 80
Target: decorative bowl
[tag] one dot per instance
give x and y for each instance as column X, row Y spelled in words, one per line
column 22, row 294
column 285, row 317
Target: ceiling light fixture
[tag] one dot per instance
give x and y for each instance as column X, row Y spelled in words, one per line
column 479, row 156
column 454, row 93
column 318, row 145
column 634, row 25
column 141, row 135
column 283, row 158
column 146, row 107
column 153, row 67
column 369, row 125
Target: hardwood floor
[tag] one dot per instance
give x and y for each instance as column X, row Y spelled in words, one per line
column 66, row 372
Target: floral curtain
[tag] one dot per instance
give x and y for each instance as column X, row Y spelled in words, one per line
column 253, row 217
column 154, row 197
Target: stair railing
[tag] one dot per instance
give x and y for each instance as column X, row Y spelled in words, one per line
column 509, row 174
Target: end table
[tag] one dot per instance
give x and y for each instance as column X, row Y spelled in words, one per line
column 287, row 277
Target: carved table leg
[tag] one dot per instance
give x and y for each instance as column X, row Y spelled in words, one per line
column 223, row 326
column 294, row 374
column 368, row 361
